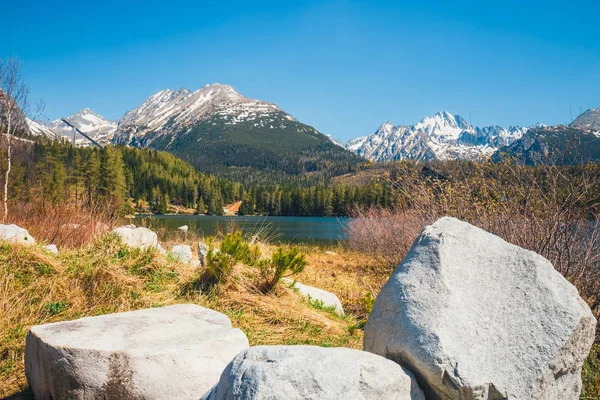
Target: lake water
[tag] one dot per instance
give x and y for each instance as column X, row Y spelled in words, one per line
column 315, row 230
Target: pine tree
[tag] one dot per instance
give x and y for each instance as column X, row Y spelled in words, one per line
column 215, row 206
column 200, row 206
column 92, row 174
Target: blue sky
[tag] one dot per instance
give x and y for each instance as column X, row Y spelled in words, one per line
column 344, row 67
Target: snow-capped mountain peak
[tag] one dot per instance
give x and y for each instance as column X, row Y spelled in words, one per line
column 441, row 136
column 88, row 122
column 170, row 111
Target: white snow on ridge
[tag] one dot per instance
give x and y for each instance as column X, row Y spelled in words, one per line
column 443, row 136
column 38, row 129
column 168, row 112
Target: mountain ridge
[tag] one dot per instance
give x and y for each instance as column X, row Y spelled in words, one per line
column 441, row 136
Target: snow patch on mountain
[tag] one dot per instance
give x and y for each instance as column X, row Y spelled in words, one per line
column 443, row 136
column 336, row 141
column 39, row 129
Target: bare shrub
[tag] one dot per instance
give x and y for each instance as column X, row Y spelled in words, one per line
column 383, row 234
column 549, row 209
column 67, row 226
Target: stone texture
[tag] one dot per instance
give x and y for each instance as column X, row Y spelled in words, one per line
column 183, row 228
column 313, row 373
column 51, row 248
column 315, row 294
column 474, row 317
column 182, row 252
column 15, row 234
column 141, row 238
column 161, row 353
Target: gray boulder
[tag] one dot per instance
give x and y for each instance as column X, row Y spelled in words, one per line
column 327, row 299
column 141, row 238
column 51, row 248
column 161, row 353
column 15, row 234
column 313, row 373
column 474, row 317
column 182, row 253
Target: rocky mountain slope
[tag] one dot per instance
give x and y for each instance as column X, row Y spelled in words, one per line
column 562, row 145
column 443, row 136
column 590, row 119
column 39, row 129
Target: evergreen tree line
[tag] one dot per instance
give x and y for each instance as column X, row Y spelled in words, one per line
column 126, row 179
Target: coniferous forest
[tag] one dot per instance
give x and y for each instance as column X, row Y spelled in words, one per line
column 129, row 179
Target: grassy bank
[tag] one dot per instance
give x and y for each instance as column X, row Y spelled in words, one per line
column 105, row 277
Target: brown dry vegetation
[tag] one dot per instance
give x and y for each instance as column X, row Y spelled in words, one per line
column 67, row 226
column 104, row 276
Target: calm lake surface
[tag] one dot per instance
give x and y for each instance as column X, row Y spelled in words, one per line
column 314, row 230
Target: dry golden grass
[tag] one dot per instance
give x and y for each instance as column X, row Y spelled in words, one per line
column 104, row 276
column 354, row 277
column 67, row 226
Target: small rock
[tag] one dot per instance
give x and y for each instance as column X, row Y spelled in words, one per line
column 331, row 253
column 159, row 353
column 313, row 373
column 475, row 317
column 51, row 248
column 182, row 253
column 15, row 234
column 183, row 228
column 319, row 295
column 141, row 238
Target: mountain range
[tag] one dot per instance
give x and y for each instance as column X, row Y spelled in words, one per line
column 440, row 137
column 216, row 128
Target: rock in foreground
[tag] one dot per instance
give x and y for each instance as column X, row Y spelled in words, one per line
column 161, row 353
column 15, row 234
column 474, row 317
column 182, row 253
column 141, row 238
column 51, row 248
column 327, row 299
column 313, row 373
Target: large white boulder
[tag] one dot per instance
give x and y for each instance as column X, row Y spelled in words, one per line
column 182, row 253
column 325, row 298
column 161, row 353
column 474, row 317
column 313, row 373
column 15, row 234
column 142, row 238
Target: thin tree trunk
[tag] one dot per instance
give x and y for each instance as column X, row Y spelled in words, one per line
column 8, row 167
